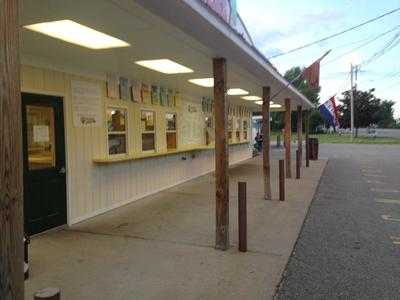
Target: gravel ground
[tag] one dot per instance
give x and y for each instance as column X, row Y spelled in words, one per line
column 349, row 247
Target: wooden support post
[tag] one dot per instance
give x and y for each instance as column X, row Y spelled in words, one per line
column 11, row 201
column 288, row 138
column 48, row 294
column 300, row 132
column 266, row 130
column 307, row 129
column 242, row 216
column 221, row 156
column 281, row 180
column 298, row 163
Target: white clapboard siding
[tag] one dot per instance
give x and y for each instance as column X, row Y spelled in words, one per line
column 92, row 188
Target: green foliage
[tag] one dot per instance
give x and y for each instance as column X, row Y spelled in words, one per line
column 311, row 94
column 346, row 139
column 368, row 110
column 302, row 85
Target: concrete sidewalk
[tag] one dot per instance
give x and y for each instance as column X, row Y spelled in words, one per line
column 161, row 247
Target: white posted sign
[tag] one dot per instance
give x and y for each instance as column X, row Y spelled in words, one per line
column 86, row 104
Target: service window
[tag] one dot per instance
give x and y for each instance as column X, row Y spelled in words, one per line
column 171, row 130
column 148, row 130
column 238, row 128
column 117, row 131
column 245, row 128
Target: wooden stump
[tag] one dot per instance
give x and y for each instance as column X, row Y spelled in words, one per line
column 281, row 180
column 242, row 216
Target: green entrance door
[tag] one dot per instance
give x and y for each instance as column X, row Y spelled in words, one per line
column 44, row 163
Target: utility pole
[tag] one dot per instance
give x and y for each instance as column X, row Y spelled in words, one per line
column 352, row 101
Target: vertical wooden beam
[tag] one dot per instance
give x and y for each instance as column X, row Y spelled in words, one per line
column 11, row 202
column 300, row 132
column 221, row 156
column 307, row 130
column 266, row 130
column 288, row 137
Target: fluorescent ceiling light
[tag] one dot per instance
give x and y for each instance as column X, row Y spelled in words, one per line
column 271, row 103
column 276, row 106
column 75, row 33
column 165, row 66
column 205, row 82
column 237, row 92
column 251, row 98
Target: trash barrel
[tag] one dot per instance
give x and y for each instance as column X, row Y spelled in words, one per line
column 313, row 148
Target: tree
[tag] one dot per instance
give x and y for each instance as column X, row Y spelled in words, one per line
column 311, row 94
column 368, row 110
column 302, row 85
column 385, row 114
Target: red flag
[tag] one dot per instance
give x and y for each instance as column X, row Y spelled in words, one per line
column 311, row 74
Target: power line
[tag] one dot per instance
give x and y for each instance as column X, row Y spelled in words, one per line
column 388, row 46
column 363, row 45
column 336, row 34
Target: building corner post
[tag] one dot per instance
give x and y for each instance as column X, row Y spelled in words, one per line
column 11, row 184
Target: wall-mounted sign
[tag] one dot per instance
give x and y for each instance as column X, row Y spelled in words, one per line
column 41, row 134
column 124, row 88
column 146, row 95
column 135, row 91
column 86, row 104
column 112, row 86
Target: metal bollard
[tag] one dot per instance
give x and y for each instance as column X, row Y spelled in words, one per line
column 298, row 161
column 50, row 293
column 281, row 180
column 242, row 216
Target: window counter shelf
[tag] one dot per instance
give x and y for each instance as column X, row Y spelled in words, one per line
column 139, row 156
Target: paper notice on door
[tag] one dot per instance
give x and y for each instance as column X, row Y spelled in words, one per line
column 41, row 134
column 86, row 104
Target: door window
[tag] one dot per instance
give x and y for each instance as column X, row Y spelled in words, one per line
column 40, row 137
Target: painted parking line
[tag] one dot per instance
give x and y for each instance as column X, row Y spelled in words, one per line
column 395, row 240
column 385, row 191
column 390, row 218
column 373, row 171
column 388, row 201
column 375, row 182
column 375, row 175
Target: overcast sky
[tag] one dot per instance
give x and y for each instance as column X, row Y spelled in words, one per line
column 280, row 25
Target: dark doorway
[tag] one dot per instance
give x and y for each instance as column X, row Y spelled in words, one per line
column 45, row 201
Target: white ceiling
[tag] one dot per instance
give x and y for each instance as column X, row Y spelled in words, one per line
column 150, row 38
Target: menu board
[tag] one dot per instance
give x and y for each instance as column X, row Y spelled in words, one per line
column 86, row 104
column 192, row 124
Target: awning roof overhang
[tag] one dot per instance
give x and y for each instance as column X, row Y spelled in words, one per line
column 185, row 31
column 196, row 19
